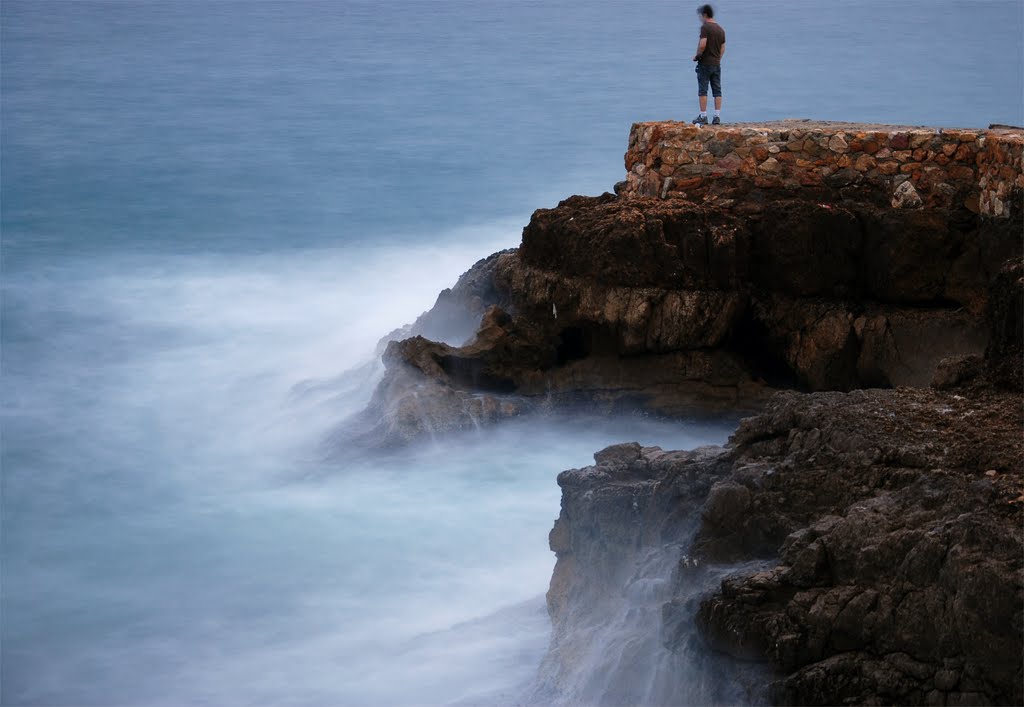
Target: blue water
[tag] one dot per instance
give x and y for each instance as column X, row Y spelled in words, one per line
column 207, row 205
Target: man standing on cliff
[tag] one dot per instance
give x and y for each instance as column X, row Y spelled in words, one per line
column 710, row 51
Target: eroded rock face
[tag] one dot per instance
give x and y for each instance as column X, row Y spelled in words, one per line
column 802, row 243
column 676, row 306
column 899, row 578
column 886, row 532
column 871, row 542
column 622, row 530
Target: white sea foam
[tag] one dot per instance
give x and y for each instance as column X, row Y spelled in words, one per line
column 174, row 537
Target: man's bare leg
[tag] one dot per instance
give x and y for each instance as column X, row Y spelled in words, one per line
column 703, row 104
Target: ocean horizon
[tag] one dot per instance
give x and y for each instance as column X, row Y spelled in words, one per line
column 210, row 214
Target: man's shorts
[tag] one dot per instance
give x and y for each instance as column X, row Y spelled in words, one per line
column 709, row 73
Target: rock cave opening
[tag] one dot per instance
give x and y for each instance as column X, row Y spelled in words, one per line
column 574, row 343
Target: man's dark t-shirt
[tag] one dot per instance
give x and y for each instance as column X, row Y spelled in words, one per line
column 713, row 32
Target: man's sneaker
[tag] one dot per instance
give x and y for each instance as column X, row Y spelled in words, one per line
column 716, row 121
column 700, row 120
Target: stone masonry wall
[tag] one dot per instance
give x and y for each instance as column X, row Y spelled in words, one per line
column 977, row 168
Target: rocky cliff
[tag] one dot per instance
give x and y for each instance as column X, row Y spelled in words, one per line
column 733, row 285
column 889, row 530
column 860, row 547
column 871, row 542
column 860, row 539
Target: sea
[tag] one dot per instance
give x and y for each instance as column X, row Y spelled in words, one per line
column 213, row 210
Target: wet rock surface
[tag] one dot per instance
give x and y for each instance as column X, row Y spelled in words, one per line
column 871, row 542
column 887, row 530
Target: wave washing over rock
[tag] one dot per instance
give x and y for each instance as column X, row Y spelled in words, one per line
column 861, row 289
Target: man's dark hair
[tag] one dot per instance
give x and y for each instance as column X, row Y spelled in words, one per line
column 706, row 10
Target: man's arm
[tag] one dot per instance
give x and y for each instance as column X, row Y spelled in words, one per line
column 721, row 54
column 700, row 48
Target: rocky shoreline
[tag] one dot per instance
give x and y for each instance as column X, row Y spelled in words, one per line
column 890, row 534
column 864, row 547
column 860, row 540
column 710, row 299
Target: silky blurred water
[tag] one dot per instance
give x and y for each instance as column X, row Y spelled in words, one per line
column 207, row 206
